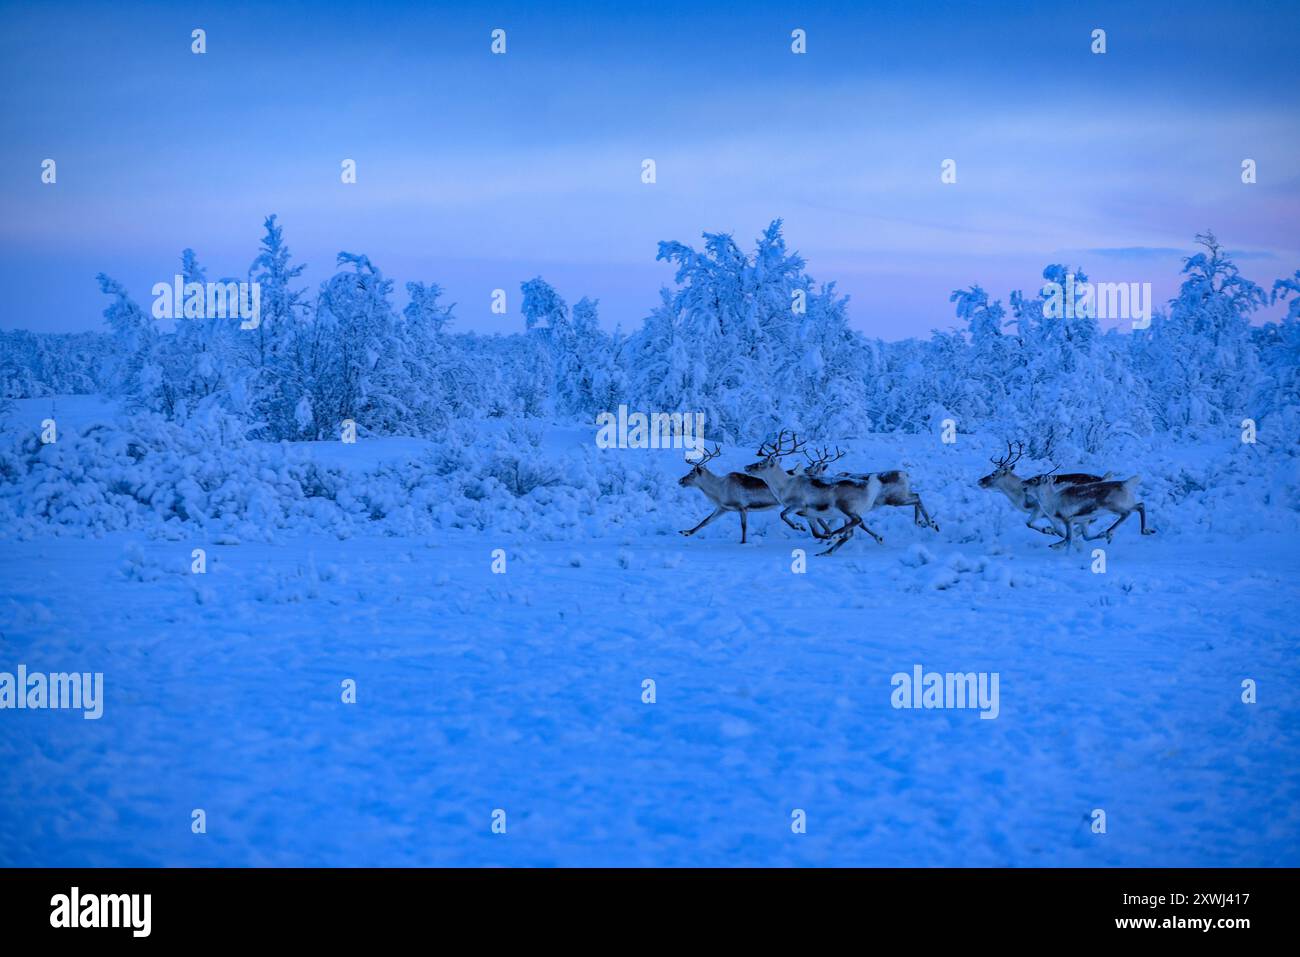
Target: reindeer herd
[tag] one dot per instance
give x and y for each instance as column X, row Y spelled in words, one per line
column 1062, row 500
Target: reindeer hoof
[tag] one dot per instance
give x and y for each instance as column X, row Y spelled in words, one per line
column 1148, row 531
column 685, row 532
column 1061, row 544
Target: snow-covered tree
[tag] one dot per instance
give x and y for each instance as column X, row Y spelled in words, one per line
column 746, row 337
column 40, row 364
column 587, row 378
column 201, row 362
column 446, row 383
column 354, row 352
column 1199, row 355
column 1276, row 401
column 751, row 341
column 1071, row 390
column 135, row 375
column 268, row 351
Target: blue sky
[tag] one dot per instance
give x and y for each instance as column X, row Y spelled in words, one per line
column 479, row 171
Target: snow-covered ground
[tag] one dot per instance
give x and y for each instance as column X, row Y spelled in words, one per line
column 522, row 691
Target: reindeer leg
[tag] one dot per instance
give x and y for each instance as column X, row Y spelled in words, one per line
column 785, row 513
column 1068, row 540
column 812, row 526
column 854, row 519
column 826, row 528
column 1142, row 515
column 744, row 525
column 848, row 524
column 1029, row 523
column 918, row 508
column 844, row 538
column 1086, row 526
column 716, row 512
column 1110, row 532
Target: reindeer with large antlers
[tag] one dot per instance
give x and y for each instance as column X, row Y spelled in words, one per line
column 1020, row 491
column 814, row 497
column 895, row 485
column 733, row 492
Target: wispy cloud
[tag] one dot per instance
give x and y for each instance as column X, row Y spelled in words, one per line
column 1135, row 252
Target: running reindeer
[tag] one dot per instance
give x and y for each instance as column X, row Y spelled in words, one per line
column 895, row 485
column 812, row 497
column 733, row 492
column 1005, row 480
column 1069, row 503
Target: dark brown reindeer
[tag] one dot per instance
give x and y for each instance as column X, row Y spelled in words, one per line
column 895, row 486
column 1069, row 503
column 1005, row 480
column 733, row 492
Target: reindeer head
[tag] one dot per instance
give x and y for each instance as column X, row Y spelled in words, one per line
column 771, row 453
column 1003, row 467
column 818, row 466
column 698, row 465
column 1040, row 485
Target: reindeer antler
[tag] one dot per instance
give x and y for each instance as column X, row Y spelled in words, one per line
column 823, row 460
column 778, row 449
column 705, row 456
column 795, row 444
column 1013, row 456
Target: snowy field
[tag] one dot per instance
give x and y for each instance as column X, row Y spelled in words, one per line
column 522, row 691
